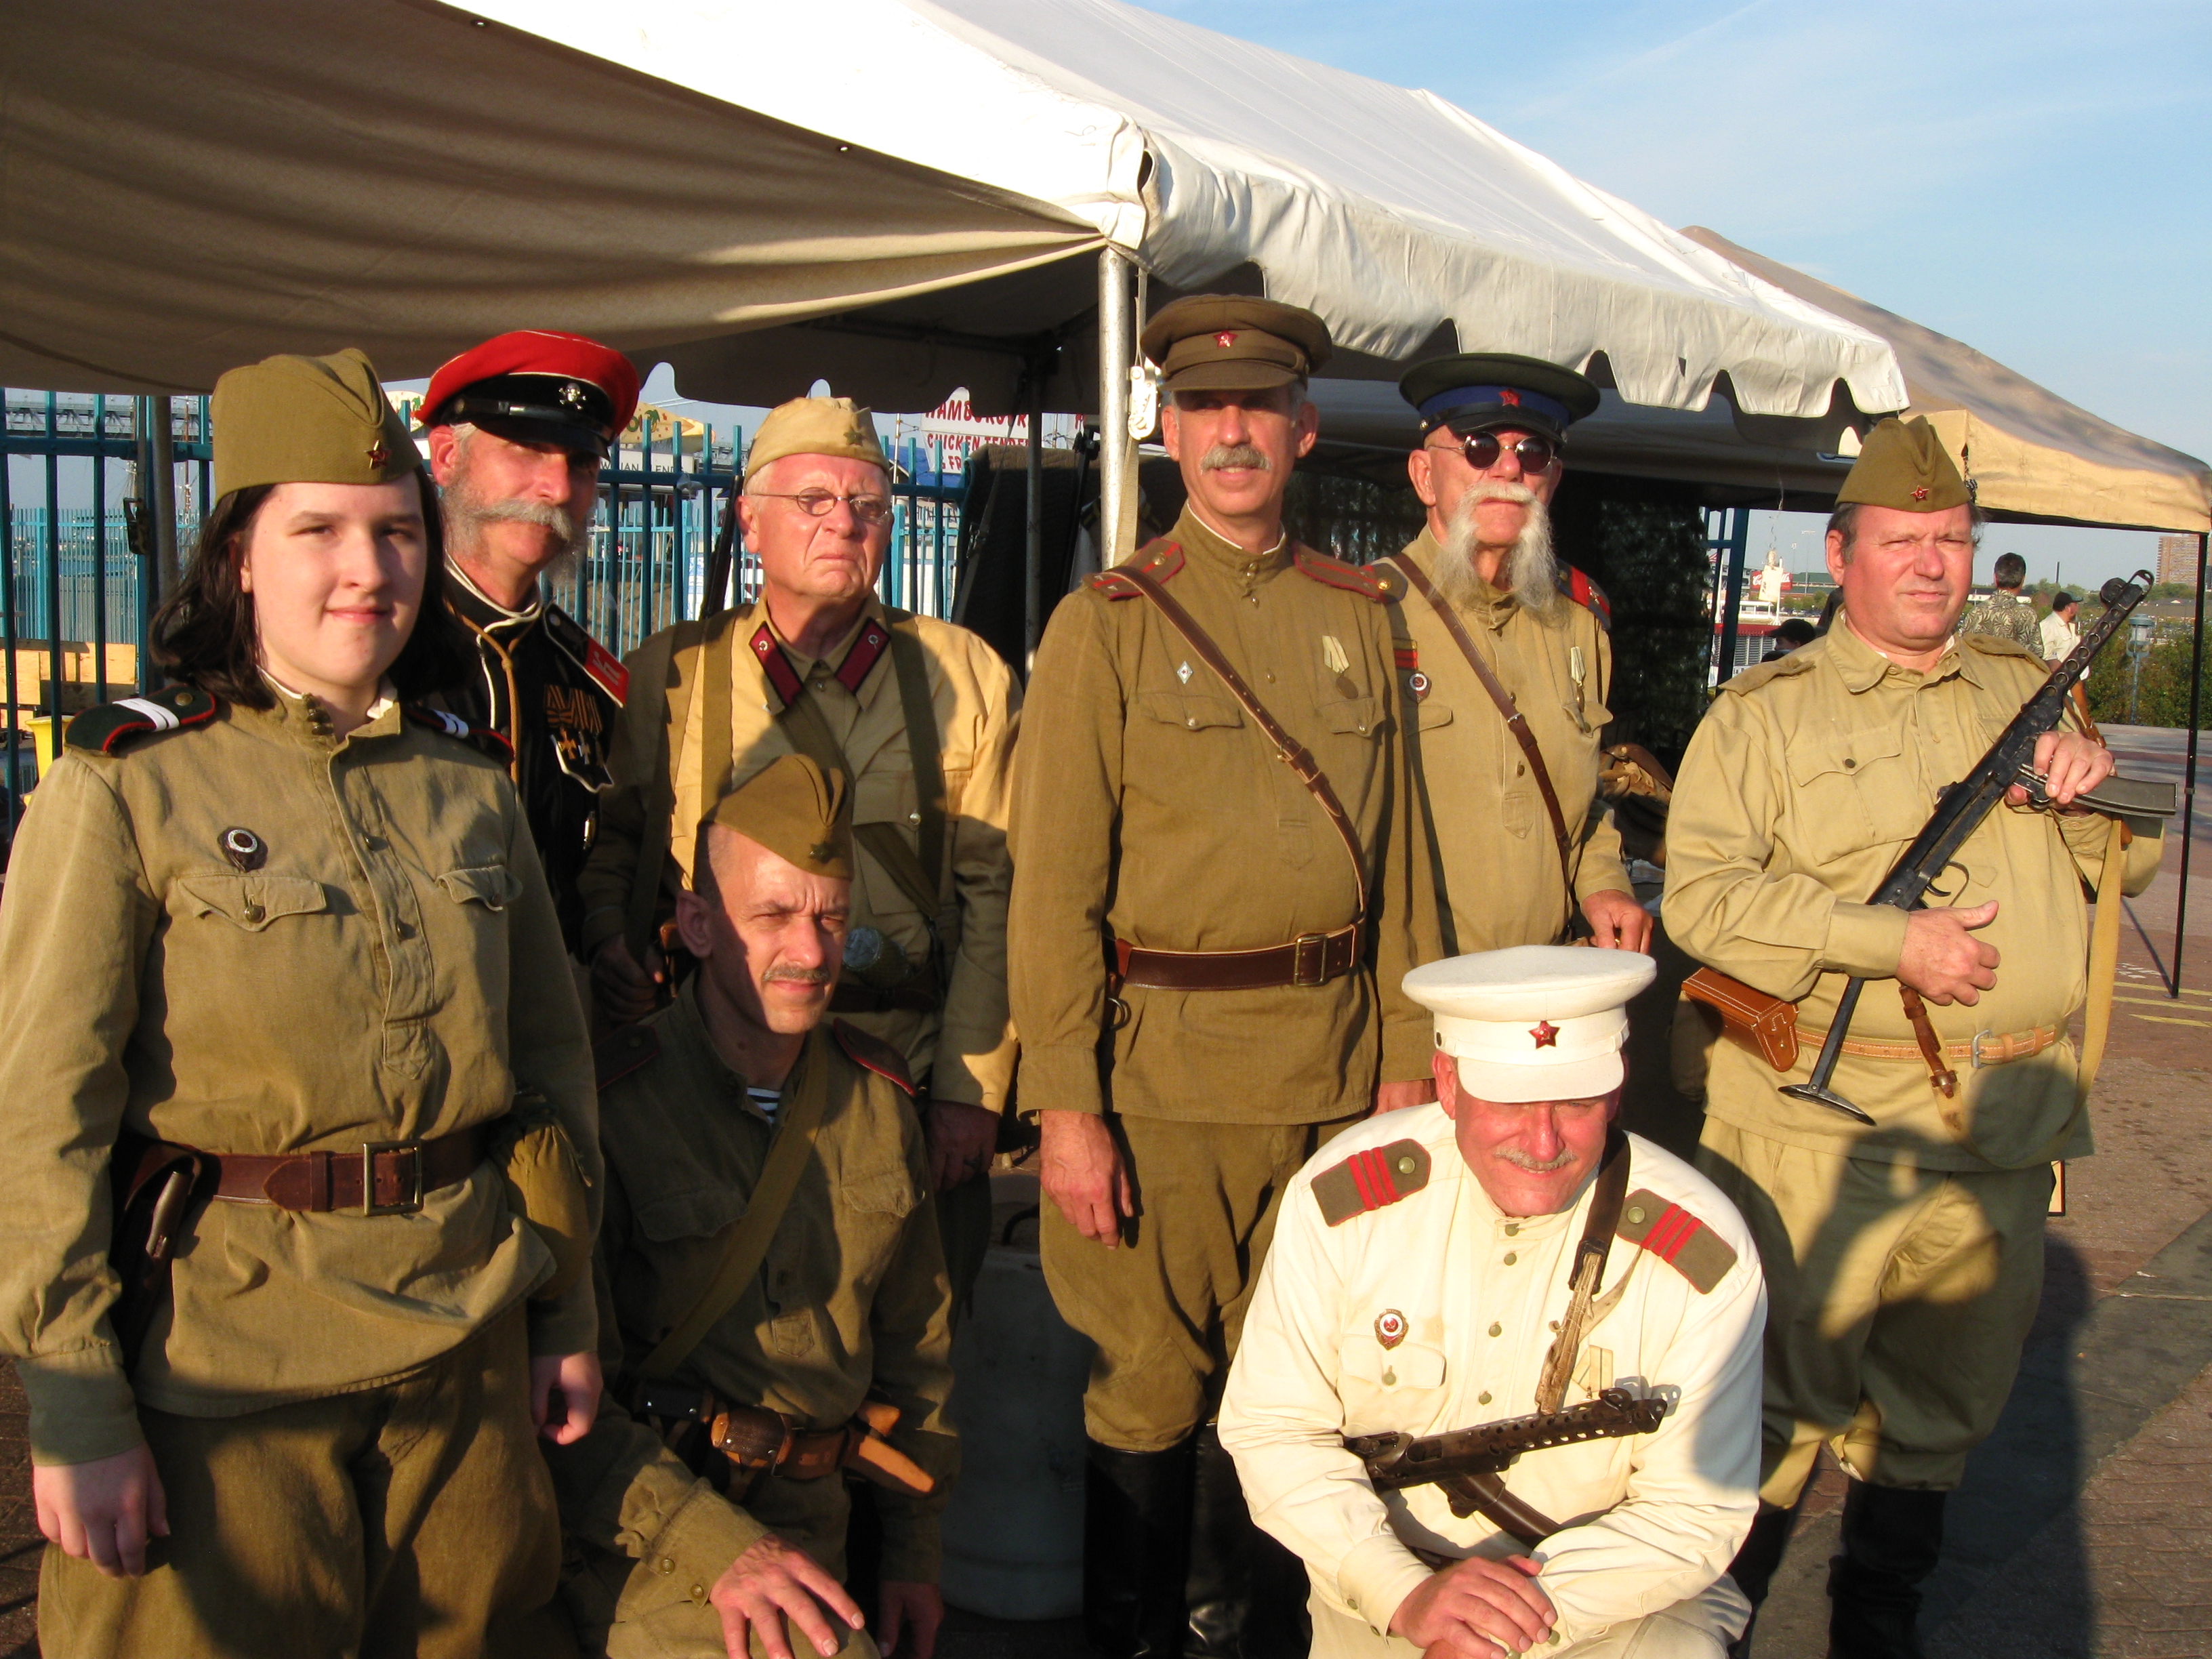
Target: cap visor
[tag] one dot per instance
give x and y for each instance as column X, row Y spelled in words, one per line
column 1519, row 1086
column 577, row 439
column 1237, row 375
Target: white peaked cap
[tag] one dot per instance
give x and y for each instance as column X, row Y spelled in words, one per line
column 1538, row 1022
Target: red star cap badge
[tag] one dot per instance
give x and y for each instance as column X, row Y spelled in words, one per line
column 378, row 454
column 1226, row 340
column 1508, row 397
column 1545, row 1033
column 1921, row 494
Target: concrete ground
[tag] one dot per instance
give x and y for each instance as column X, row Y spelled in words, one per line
column 2084, row 1530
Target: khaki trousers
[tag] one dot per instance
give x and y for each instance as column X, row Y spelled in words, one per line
column 414, row 1520
column 1700, row 1628
column 1898, row 1301
column 1166, row 1306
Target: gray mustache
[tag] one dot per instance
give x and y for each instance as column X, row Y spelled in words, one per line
column 798, row 975
column 1223, row 456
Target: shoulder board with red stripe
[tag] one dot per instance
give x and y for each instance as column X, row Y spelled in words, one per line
column 1370, row 1180
column 483, row 738
column 865, row 1051
column 618, row 1053
column 774, row 664
column 1408, row 656
column 601, row 665
column 114, row 727
column 1677, row 1238
column 1334, row 573
column 865, row 651
column 1587, row 594
column 1159, row 560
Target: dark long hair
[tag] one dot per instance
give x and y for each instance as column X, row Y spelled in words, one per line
column 204, row 633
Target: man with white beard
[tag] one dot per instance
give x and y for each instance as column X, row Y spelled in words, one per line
column 1507, row 662
column 517, row 428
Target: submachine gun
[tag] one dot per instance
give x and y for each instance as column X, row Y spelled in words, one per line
column 1961, row 809
column 1468, row 1463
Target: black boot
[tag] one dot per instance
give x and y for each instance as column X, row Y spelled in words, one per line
column 1755, row 1565
column 1247, row 1594
column 1891, row 1537
column 1136, row 1549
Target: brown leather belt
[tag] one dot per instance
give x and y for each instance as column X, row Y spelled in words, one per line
column 384, row 1178
column 1308, row 959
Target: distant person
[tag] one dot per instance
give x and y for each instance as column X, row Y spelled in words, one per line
column 1788, row 636
column 2062, row 628
column 2005, row 615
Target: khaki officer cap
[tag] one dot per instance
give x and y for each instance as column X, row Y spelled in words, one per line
column 307, row 419
column 798, row 811
column 817, row 426
column 1232, row 342
column 1538, row 1022
column 1903, row 464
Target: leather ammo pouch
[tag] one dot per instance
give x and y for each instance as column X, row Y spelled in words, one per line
column 1750, row 1019
column 154, row 1186
column 546, row 1187
column 755, row 1442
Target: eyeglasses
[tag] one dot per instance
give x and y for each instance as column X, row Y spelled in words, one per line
column 1535, row 454
column 817, row 504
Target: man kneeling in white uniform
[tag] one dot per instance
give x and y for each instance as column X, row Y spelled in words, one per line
column 1501, row 1254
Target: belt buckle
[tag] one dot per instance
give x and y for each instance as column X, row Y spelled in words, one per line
column 407, row 1206
column 1317, row 945
column 1974, row 1050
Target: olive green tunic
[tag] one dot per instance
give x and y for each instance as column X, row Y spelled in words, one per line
column 1498, row 864
column 393, row 972
column 1147, row 807
column 1805, row 781
column 851, row 1300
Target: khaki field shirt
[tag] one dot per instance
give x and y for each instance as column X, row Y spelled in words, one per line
column 1806, row 782
column 1149, row 808
column 969, row 1056
column 851, row 1299
column 1498, row 864
column 393, row 972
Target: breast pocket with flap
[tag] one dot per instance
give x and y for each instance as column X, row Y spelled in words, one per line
column 1854, row 790
column 253, row 901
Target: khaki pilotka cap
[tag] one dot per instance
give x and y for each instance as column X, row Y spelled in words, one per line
column 307, row 419
column 1903, row 464
column 797, row 810
column 1233, row 342
column 817, row 426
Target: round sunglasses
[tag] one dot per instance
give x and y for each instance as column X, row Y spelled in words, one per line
column 1534, row 453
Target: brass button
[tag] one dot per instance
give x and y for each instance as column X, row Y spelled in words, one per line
column 1848, row 762
column 1512, row 1228
column 914, row 817
column 1511, row 1258
column 1483, row 1399
column 1389, row 1379
column 1405, row 1166
column 667, row 1563
column 698, row 1592
column 1636, row 1215
column 1497, row 1330
column 1191, row 721
column 1520, row 770
column 252, row 910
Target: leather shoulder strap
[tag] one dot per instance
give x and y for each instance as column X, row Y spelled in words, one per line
column 655, row 658
column 1516, row 721
column 1294, row 754
column 810, row 736
column 925, row 750
column 747, row 1246
column 1588, row 1272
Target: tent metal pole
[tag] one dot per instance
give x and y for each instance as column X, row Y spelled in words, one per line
column 1732, row 594
column 1033, row 540
column 2193, row 719
column 1115, row 322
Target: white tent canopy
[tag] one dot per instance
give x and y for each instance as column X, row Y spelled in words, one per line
column 187, row 187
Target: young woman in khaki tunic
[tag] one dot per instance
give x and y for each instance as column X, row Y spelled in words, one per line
column 270, row 932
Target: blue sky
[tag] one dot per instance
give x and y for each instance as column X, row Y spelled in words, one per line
column 2033, row 179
